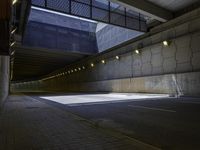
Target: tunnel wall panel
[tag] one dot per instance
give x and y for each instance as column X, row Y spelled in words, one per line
column 174, row 69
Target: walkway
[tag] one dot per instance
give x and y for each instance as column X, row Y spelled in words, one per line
column 29, row 124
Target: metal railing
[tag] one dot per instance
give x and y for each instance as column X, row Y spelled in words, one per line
column 98, row 10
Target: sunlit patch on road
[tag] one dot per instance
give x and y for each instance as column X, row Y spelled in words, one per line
column 88, row 99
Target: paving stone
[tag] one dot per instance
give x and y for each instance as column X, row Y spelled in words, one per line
column 157, row 60
column 28, row 124
column 146, row 69
column 195, row 42
column 169, row 51
column 169, row 65
column 183, row 67
column 183, row 55
column 156, row 48
column 196, row 61
column 182, row 29
column 146, row 55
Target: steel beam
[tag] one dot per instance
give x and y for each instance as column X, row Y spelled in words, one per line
column 146, row 8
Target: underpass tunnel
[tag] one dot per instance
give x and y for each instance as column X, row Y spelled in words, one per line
column 119, row 64
column 72, row 50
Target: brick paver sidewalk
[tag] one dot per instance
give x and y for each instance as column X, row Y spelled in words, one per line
column 28, row 124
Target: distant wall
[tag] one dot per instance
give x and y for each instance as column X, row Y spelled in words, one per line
column 174, row 69
column 40, row 35
column 4, row 78
column 53, row 31
column 184, row 84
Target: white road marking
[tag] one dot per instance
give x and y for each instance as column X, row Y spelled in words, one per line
column 151, row 108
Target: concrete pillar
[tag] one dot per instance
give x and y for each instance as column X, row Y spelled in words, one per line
column 4, row 78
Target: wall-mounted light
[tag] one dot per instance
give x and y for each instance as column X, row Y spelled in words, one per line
column 103, row 61
column 166, row 43
column 138, row 48
column 14, row 2
column 13, row 31
column 12, row 44
column 117, row 57
column 75, row 70
column 79, row 69
column 12, row 53
column 137, row 51
column 83, row 67
column 68, row 72
column 72, row 71
column 92, row 65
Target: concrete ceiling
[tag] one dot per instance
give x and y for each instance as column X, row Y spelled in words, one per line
column 173, row 5
column 32, row 63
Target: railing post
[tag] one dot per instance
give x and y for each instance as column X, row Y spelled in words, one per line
column 139, row 23
column 70, row 7
column 45, row 3
column 109, row 12
column 125, row 17
column 91, row 9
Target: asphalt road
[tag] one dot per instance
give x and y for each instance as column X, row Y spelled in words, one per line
column 167, row 123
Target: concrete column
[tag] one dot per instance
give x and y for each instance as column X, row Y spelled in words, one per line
column 4, row 78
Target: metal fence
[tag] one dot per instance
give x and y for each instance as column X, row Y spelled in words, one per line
column 98, row 10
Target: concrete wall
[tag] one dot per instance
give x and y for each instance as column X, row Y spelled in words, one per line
column 185, row 84
column 40, row 35
column 109, row 36
column 4, row 78
column 158, row 69
column 53, row 31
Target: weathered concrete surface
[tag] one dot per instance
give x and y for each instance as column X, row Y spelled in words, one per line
column 109, row 36
column 185, row 84
column 158, row 69
column 4, row 78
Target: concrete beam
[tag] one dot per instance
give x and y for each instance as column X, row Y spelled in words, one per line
column 146, row 8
